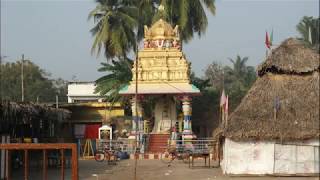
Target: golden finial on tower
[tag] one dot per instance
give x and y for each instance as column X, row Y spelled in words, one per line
column 161, row 8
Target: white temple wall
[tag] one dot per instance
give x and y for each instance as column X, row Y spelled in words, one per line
column 268, row 157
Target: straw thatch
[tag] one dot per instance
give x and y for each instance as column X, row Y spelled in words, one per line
column 13, row 114
column 283, row 104
column 290, row 58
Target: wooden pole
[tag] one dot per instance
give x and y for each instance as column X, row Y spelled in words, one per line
column 26, row 165
column 62, row 164
column 44, row 165
column 74, row 163
column 8, row 170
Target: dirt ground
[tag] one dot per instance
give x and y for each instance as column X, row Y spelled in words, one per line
column 146, row 170
column 156, row 170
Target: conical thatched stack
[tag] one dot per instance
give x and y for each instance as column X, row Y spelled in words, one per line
column 283, row 104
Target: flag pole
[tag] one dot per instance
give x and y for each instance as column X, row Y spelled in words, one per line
column 222, row 113
column 266, row 53
column 310, row 36
column 227, row 109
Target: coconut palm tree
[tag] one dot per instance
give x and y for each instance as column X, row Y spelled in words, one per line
column 238, row 79
column 239, row 66
column 118, row 76
column 114, row 28
column 189, row 15
column 309, row 25
column 239, row 75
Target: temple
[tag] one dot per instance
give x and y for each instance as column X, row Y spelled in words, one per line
column 163, row 72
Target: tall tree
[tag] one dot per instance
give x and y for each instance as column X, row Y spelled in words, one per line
column 114, row 30
column 37, row 82
column 239, row 66
column 239, row 79
column 309, row 29
column 236, row 80
column 215, row 74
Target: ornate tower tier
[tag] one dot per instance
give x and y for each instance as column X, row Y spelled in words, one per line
column 162, row 66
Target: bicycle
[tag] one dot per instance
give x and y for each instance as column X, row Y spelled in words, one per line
column 106, row 154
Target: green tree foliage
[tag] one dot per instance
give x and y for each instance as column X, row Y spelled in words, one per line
column 119, row 23
column 239, row 79
column 115, row 23
column 203, row 106
column 37, row 83
column 236, row 80
column 306, row 23
column 118, row 76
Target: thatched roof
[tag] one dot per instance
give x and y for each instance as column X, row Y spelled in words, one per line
column 13, row 113
column 283, row 103
column 291, row 57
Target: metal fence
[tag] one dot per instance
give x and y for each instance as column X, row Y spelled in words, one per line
column 123, row 145
column 198, row 146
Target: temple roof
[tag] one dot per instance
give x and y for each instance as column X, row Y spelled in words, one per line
column 161, row 30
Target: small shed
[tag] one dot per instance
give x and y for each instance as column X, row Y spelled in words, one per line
column 275, row 129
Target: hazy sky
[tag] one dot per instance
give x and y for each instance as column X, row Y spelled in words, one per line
column 55, row 34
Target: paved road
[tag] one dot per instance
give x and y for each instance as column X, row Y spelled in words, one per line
column 147, row 170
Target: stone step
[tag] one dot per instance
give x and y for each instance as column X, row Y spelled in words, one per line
column 159, row 137
column 158, row 142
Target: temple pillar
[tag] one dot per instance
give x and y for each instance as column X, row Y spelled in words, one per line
column 187, row 112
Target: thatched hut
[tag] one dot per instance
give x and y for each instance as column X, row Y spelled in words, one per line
column 21, row 120
column 275, row 129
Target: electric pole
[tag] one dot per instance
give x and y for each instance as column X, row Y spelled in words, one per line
column 136, row 119
column 22, row 83
column 1, row 94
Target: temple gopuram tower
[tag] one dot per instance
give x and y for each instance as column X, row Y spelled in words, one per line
column 163, row 72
